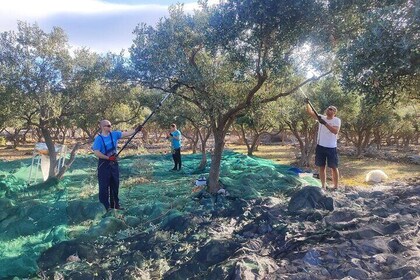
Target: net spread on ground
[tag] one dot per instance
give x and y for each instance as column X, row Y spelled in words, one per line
column 37, row 216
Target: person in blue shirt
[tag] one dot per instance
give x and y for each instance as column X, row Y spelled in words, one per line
column 105, row 148
column 175, row 137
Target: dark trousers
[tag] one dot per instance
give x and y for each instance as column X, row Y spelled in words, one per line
column 176, row 155
column 324, row 156
column 109, row 183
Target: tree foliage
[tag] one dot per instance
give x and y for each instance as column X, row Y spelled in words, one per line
column 220, row 57
column 50, row 89
column 36, row 67
column 293, row 113
column 257, row 120
column 382, row 61
column 225, row 63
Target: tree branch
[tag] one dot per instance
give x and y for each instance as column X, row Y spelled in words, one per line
column 275, row 97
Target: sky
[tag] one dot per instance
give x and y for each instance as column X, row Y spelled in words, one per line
column 100, row 25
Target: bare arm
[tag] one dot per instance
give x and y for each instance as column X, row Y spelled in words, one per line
column 128, row 133
column 311, row 112
column 131, row 132
column 333, row 129
column 100, row 155
column 334, row 126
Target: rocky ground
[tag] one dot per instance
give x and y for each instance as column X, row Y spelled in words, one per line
column 408, row 155
column 351, row 233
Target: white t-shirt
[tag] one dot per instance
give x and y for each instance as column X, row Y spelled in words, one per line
column 325, row 137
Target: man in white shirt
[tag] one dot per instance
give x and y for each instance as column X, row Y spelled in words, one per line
column 326, row 149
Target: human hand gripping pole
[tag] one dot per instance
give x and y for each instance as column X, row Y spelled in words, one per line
column 140, row 127
column 320, row 119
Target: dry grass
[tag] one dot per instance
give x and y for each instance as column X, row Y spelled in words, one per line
column 21, row 152
column 282, row 154
column 352, row 170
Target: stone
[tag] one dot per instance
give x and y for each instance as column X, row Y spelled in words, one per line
column 132, row 221
column 414, row 159
column 345, row 215
column 358, row 273
column 371, row 246
column 312, row 257
column 309, row 198
column 3, row 189
column 395, row 246
column 216, row 251
column 391, row 228
column 364, row 233
column 382, row 212
column 80, row 211
column 130, row 273
column 175, row 221
column 106, row 226
column 401, row 272
column 59, row 253
column 254, row 267
column 264, row 228
column 375, row 176
column 7, row 208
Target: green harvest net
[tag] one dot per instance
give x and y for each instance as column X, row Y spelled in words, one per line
column 35, row 217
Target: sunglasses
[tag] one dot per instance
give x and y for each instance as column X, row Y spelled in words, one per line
column 108, row 125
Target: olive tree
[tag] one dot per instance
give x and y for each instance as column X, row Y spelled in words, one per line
column 382, row 60
column 219, row 57
column 255, row 122
column 38, row 69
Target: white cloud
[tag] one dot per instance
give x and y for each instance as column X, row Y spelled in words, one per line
column 38, row 10
column 44, row 8
column 99, row 25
